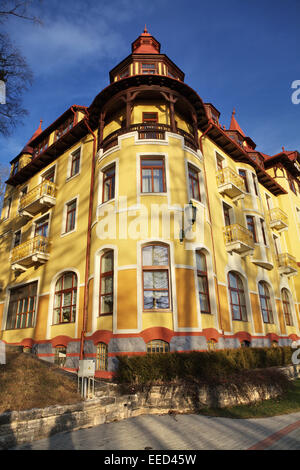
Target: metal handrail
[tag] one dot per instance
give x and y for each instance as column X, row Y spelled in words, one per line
column 227, row 175
column 235, row 233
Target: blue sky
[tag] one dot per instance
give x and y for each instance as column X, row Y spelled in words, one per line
column 235, row 53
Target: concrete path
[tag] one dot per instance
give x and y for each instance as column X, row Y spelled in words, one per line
column 180, row 432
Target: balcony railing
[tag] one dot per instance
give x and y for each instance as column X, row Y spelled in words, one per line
column 32, row 252
column 230, row 183
column 287, row 264
column 238, row 239
column 146, row 131
column 41, row 196
column 278, row 219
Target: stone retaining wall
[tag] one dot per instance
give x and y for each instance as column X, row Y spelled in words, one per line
column 109, row 405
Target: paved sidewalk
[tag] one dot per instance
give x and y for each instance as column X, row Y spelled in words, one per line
column 180, row 432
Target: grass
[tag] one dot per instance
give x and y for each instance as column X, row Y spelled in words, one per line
column 288, row 403
column 27, row 382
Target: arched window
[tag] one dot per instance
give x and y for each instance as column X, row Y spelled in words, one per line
column 60, row 355
column 245, row 344
column 102, row 356
column 212, row 345
column 287, row 309
column 156, row 293
column 158, row 346
column 106, row 283
column 237, row 297
column 274, row 344
column 203, row 290
column 265, row 302
column 65, row 298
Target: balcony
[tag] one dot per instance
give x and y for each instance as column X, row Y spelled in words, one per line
column 278, row 219
column 40, row 197
column 238, row 239
column 230, row 183
column 33, row 252
column 287, row 264
column 147, row 131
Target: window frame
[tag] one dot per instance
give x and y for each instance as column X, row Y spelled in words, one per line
column 203, row 274
column 67, row 215
column 237, row 290
column 156, row 268
column 112, row 184
column 244, row 176
column 103, row 276
column 251, row 226
column 147, row 63
column 193, row 170
column 287, row 307
column 267, row 299
column 160, row 343
column 74, row 294
column 153, row 167
column 18, row 315
column 75, row 162
column 101, row 356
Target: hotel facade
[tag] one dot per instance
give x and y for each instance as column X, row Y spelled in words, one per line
column 140, row 224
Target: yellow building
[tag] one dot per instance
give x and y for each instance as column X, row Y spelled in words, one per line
column 140, row 224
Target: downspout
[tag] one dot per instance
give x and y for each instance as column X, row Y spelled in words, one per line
column 88, row 243
column 210, row 222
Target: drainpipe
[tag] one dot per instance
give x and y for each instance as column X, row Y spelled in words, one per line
column 210, row 220
column 89, row 232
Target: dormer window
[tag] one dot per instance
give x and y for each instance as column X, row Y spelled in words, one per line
column 40, row 148
column 147, row 68
column 64, row 128
column 124, row 73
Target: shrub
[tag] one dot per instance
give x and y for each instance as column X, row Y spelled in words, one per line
column 204, row 366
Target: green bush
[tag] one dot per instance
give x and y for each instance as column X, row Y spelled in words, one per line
column 201, row 366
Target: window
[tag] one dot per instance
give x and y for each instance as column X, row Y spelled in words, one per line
column 287, row 310
column 194, row 186
column 23, row 192
column 147, row 68
column 15, row 168
column 124, row 73
column 8, row 208
column 255, row 184
column 158, row 346
column 237, row 297
column 65, row 298
column 172, row 75
column 75, row 163
column 60, row 356
column 41, row 227
column 251, row 226
column 64, row 128
column 220, row 160
column 17, row 238
column 153, row 175
column 274, row 344
column 108, row 191
column 102, row 356
column 106, row 283
column 226, row 213
column 245, row 344
column 149, row 129
column 70, row 216
column 22, row 304
column 263, row 231
column 265, row 302
column 41, row 147
column 155, row 260
column 243, row 174
column 49, row 175
column 212, row 345
column 202, row 282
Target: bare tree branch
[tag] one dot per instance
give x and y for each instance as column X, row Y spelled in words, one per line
column 17, row 9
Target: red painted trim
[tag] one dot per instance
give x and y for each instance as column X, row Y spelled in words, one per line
column 101, row 336
column 60, row 341
column 157, row 333
column 243, row 336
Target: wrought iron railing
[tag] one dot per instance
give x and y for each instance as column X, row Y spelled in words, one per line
column 146, row 131
column 227, row 175
column 36, row 245
column 46, row 188
column 237, row 233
